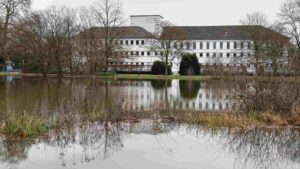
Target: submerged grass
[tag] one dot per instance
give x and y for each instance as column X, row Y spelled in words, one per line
column 20, row 126
column 232, row 120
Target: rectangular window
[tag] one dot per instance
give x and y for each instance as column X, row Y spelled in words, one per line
column 121, row 42
column 137, row 42
column 162, row 44
column 242, row 54
column 181, row 45
column 234, row 55
column 242, row 45
column 201, row 45
column 214, row 55
column 143, row 42
column 228, row 55
column 194, row 45
column 235, row 45
column 126, row 42
column 131, row 42
column 215, row 45
column 221, row 45
column 143, row 53
column 207, row 45
column 221, row 54
column 228, row 45
column 131, row 53
column 148, row 53
column 156, row 53
column 249, row 45
column 188, row 45
column 175, row 45
column 201, row 54
column 207, row 54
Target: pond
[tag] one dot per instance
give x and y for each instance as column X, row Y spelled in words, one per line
column 148, row 143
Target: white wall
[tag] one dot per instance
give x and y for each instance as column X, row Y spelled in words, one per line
column 149, row 22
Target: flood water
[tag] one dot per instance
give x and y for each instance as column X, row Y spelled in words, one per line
column 148, row 143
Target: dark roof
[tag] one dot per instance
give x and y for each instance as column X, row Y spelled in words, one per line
column 239, row 32
column 135, row 32
column 124, row 32
column 145, row 15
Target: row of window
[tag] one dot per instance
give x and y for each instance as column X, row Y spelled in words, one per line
column 148, row 53
column 224, row 54
column 132, row 42
column 197, row 45
column 212, row 45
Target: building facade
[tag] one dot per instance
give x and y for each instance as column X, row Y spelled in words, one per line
column 218, row 48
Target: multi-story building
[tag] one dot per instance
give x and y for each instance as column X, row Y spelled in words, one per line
column 226, row 47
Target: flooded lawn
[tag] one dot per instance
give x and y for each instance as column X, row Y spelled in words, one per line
column 131, row 134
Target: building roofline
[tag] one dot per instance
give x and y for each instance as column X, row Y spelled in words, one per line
column 145, row 15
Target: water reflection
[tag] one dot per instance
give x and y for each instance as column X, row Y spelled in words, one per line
column 160, row 145
column 45, row 95
column 85, row 142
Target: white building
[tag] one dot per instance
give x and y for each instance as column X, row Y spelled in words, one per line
column 149, row 22
column 228, row 47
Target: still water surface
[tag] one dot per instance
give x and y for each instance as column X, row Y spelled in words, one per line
column 147, row 144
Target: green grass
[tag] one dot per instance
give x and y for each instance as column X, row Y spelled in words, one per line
column 23, row 126
column 159, row 77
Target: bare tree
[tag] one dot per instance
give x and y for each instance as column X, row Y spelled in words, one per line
column 89, row 46
column 289, row 18
column 31, row 35
column 169, row 42
column 9, row 11
column 108, row 15
column 255, row 23
column 269, row 45
column 61, row 27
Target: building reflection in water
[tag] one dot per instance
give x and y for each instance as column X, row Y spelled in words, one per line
column 44, row 95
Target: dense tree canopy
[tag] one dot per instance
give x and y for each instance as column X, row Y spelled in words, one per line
column 189, row 65
column 159, row 68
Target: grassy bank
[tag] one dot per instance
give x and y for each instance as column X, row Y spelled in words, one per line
column 245, row 121
column 115, row 76
column 159, row 77
column 20, row 126
column 25, row 126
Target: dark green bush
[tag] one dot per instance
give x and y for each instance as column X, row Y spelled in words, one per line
column 159, row 68
column 189, row 65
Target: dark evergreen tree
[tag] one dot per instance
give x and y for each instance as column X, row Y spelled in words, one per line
column 158, row 68
column 189, row 65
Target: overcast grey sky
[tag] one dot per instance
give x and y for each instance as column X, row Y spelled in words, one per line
column 186, row 12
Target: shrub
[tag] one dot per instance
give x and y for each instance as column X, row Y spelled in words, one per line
column 189, row 65
column 159, row 68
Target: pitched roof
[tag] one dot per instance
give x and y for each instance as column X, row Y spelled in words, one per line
column 238, row 32
column 135, row 32
column 124, row 32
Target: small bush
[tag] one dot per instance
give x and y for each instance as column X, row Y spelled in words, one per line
column 159, row 68
column 189, row 65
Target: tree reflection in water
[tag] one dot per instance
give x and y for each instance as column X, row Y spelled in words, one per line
column 259, row 149
column 91, row 115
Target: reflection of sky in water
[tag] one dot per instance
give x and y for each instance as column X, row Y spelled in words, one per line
column 176, row 147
